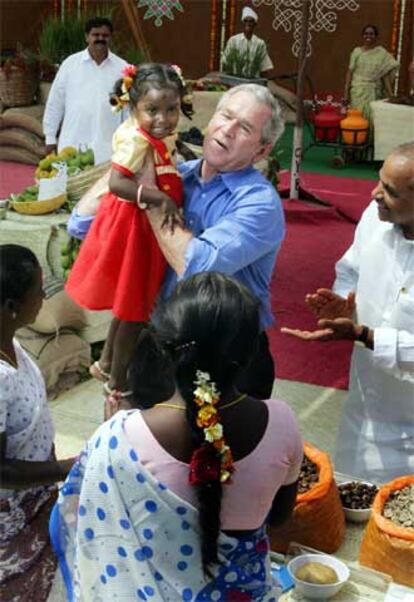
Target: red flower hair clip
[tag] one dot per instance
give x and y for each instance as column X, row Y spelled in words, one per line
column 129, row 70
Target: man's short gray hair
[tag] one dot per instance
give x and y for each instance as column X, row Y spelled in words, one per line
column 275, row 125
column 405, row 150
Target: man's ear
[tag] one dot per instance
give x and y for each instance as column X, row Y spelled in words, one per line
column 262, row 152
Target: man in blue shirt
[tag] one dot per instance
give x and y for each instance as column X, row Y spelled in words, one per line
column 233, row 214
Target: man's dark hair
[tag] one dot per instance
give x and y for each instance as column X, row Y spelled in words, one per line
column 99, row 22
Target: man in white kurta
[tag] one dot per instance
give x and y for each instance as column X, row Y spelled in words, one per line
column 78, row 101
column 376, row 433
column 248, row 45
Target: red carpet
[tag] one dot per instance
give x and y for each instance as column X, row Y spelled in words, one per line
column 15, row 177
column 349, row 196
column 316, row 238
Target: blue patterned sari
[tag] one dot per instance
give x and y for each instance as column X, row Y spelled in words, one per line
column 121, row 534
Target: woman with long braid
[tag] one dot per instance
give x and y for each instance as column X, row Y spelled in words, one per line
column 171, row 502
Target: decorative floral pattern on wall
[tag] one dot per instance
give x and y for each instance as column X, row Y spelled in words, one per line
column 322, row 17
column 159, row 9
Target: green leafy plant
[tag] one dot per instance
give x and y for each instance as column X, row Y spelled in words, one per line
column 133, row 55
column 58, row 39
column 243, row 64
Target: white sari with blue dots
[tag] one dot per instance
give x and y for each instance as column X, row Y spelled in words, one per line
column 120, row 534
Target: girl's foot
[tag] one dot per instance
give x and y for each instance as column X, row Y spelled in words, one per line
column 115, row 401
column 96, row 372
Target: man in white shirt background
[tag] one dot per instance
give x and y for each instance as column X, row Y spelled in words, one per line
column 372, row 302
column 248, row 44
column 78, row 101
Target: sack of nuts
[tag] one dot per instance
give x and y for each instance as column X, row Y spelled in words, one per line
column 318, row 520
column 388, row 542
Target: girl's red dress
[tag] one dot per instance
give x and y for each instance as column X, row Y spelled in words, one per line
column 120, row 265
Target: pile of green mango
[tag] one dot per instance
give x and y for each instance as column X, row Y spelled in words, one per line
column 30, row 194
column 68, row 254
column 76, row 161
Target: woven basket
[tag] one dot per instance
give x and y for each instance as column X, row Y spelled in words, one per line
column 18, row 88
column 40, row 207
column 77, row 185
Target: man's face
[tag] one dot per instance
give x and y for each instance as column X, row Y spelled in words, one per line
column 248, row 26
column 394, row 192
column 233, row 138
column 98, row 37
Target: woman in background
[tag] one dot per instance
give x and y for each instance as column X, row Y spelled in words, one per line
column 370, row 73
column 28, row 468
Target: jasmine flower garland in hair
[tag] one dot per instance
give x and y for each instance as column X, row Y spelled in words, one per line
column 213, row 460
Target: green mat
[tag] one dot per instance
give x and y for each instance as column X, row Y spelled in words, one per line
column 318, row 159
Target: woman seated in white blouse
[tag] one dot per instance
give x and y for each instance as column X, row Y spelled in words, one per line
column 28, row 468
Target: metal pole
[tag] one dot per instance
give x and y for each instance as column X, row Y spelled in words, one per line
column 298, row 131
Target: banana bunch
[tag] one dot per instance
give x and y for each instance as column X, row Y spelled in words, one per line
column 76, row 161
column 68, row 254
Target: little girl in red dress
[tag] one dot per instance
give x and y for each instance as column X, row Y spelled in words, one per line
column 120, row 265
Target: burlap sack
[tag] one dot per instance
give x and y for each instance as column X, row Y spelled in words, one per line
column 318, row 520
column 61, row 358
column 14, row 136
column 386, row 546
column 58, row 312
column 18, row 155
column 28, row 118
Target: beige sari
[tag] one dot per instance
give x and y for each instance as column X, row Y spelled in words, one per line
column 368, row 68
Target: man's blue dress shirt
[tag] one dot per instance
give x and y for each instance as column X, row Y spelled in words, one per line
column 238, row 225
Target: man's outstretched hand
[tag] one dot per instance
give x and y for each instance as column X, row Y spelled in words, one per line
column 327, row 305
column 329, row 330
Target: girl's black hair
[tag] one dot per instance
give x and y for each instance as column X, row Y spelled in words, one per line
column 374, row 27
column 210, row 323
column 18, row 267
column 158, row 76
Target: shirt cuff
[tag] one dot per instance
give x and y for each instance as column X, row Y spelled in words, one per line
column 78, row 226
column 385, row 347
column 190, row 260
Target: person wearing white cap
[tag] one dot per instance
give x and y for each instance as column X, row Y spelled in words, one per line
column 253, row 50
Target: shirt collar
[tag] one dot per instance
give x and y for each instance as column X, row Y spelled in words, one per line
column 231, row 179
column 87, row 57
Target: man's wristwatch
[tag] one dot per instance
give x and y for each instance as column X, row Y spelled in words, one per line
column 363, row 336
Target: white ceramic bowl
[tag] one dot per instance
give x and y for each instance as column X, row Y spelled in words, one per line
column 313, row 590
column 357, row 515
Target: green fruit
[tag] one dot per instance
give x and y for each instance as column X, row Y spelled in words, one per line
column 65, row 262
column 84, row 158
column 45, row 164
column 74, row 254
column 90, row 156
column 33, row 189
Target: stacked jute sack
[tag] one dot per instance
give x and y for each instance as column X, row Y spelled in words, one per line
column 21, row 135
column 54, row 340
